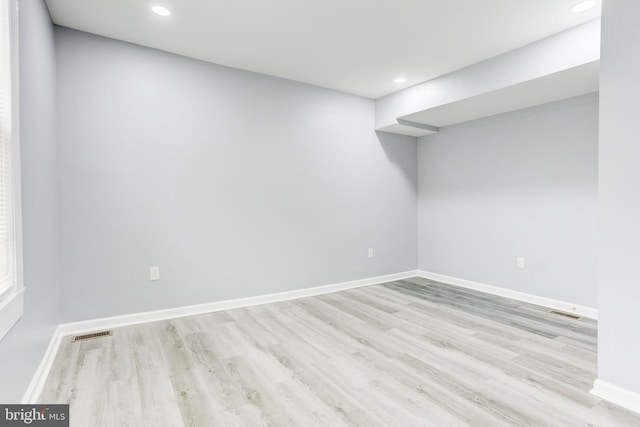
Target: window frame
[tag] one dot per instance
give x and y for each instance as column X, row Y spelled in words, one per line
column 12, row 303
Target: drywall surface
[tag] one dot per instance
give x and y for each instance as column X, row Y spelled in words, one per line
column 22, row 349
column 521, row 184
column 233, row 183
column 544, row 57
column 618, row 283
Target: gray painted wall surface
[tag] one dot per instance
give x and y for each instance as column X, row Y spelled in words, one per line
column 236, row 184
column 22, row 349
column 518, row 184
column 619, row 281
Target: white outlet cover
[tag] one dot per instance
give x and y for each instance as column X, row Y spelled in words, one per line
column 370, row 252
column 520, row 262
column 154, row 273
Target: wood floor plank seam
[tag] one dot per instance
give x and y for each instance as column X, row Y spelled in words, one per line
column 413, row 352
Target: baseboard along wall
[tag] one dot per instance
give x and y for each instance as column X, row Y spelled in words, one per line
column 555, row 304
column 618, row 395
column 602, row 389
column 75, row 328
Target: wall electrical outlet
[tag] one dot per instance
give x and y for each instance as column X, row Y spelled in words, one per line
column 370, row 252
column 154, row 273
column 520, row 262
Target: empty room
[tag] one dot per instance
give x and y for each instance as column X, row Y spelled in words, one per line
column 290, row 213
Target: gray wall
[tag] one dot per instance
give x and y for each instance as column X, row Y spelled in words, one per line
column 22, row 350
column 234, row 183
column 618, row 287
column 518, row 184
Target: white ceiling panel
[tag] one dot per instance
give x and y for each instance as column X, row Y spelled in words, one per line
column 356, row 46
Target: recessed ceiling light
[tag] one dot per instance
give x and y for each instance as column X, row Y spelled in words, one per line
column 160, row 10
column 583, row 5
column 400, row 80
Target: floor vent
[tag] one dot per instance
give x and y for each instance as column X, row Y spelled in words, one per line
column 560, row 313
column 92, row 335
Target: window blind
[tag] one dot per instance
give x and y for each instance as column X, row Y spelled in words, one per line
column 7, row 251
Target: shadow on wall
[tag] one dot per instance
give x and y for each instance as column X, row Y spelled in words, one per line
column 543, row 151
column 402, row 151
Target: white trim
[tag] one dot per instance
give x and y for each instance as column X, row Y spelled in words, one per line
column 16, row 147
column 38, row 380
column 618, row 395
column 12, row 305
column 516, row 295
column 10, row 311
column 39, row 377
column 192, row 310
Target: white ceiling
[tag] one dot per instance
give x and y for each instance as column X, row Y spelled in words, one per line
column 356, row 46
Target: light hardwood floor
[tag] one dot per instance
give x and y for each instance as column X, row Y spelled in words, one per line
column 407, row 353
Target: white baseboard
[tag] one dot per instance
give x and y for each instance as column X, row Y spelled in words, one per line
column 10, row 311
column 40, row 376
column 37, row 383
column 618, row 395
column 567, row 307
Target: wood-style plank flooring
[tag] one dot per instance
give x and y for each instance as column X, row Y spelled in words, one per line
column 407, row 353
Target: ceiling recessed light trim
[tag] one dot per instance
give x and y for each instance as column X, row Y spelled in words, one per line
column 161, row 10
column 583, row 6
column 400, row 80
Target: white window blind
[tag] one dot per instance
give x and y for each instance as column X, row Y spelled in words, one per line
column 7, row 244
